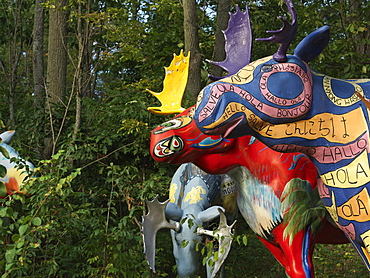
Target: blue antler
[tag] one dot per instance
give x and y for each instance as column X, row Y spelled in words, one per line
column 285, row 35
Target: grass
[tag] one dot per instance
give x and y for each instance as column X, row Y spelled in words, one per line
column 338, row 261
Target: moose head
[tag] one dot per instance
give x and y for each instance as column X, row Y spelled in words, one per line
column 179, row 141
column 292, row 108
column 195, row 195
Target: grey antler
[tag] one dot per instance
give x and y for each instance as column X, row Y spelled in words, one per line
column 152, row 222
column 285, row 35
column 224, row 235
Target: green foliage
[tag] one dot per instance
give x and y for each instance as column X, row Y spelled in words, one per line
column 2, row 185
column 4, row 152
column 72, row 228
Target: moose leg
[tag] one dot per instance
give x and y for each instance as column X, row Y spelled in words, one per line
column 299, row 252
column 295, row 255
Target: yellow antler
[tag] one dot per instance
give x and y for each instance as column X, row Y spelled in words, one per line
column 174, row 84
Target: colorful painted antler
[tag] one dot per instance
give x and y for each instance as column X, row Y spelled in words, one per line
column 238, row 43
column 174, row 84
column 285, row 35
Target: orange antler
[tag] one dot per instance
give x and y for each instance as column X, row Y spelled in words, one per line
column 174, row 84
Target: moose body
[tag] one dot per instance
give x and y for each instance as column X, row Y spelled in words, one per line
column 292, row 108
column 194, row 201
column 194, row 196
column 262, row 177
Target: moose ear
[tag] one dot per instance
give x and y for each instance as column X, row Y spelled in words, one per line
column 312, row 45
column 7, row 136
column 173, row 212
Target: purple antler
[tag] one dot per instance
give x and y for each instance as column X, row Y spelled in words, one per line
column 285, row 35
column 238, row 43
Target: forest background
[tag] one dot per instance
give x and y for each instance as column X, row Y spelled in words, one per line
column 73, row 78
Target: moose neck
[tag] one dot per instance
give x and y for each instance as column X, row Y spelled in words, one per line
column 339, row 95
column 327, row 138
column 223, row 162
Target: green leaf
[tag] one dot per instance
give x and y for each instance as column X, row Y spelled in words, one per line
column 4, row 152
column 184, row 243
column 215, row 256
column 2, row 189
column 23, row 229
column 204, row 261
column 20, row 243
column 3, row 171
column 10, row 255
column 2, row 212
column 211, row 262
column 36, row 221
column 245, row 240
column 15, row 237
column 9, row 212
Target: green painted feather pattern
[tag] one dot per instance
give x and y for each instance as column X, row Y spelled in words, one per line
column 301, row 208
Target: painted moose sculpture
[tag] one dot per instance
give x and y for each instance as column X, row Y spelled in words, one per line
column 268, row 183
column 16, row 172
column 192, row 205
column 291, row 108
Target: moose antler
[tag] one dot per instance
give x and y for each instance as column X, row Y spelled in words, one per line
column 285, row 35
column 174, row 84
column 238, row 43
column 224, row 235
column 152, row 222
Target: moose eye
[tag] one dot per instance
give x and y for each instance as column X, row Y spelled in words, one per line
column 191, row 112
column 266, row 68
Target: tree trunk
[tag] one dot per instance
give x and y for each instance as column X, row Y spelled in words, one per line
column 38, row 56
column 15, row 51
column 57, row 53
column 81, row 81
column 78, row 77
column 38, row 74
column 192, row 45
column 56, row 71
column 361, row 39
column 223, row 8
